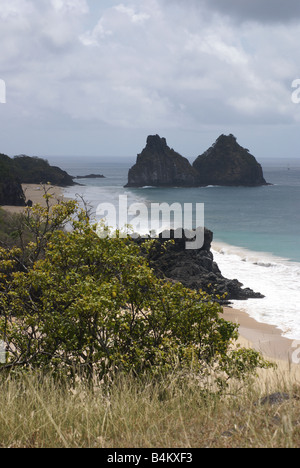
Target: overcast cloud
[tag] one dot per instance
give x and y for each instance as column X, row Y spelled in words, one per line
column 95, row 78
column 257, row 10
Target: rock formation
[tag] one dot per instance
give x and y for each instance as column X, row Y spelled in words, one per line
column 227, row 163
column 91, row 176
column 11, row 192
column 160, row 166
column 195, row 269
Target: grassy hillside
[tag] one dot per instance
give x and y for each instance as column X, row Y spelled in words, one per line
column 38, row 412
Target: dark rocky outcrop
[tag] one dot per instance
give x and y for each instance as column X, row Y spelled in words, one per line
column 227, row 163
column 11, row 192
column 90, row 176
column 195, row 269
column 160, row 166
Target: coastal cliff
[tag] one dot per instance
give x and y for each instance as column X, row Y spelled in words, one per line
column 160, row 166
column 226, row 163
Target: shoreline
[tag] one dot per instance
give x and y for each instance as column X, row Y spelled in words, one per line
column 262, row 337
column 34, row 192
column 275, row 348
column 275, row 277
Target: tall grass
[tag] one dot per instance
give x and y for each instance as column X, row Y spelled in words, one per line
column 40, row 412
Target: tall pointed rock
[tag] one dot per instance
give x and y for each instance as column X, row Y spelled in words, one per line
column 160, row 166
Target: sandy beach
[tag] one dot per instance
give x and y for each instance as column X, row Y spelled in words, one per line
column 35, row 192
column 277, row 349
column 268, row 339
column 265, row 338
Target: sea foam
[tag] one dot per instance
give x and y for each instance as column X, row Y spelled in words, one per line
column 276, row 278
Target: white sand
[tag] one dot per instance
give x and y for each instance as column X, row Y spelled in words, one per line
column 35, row 192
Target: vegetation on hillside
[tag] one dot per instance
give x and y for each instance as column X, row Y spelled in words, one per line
column 34, row 170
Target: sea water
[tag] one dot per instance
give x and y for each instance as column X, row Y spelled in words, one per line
column 256, row 230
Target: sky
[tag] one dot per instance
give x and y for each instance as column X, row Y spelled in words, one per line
column 96, row 77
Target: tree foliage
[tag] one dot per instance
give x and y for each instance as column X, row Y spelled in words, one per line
column 73, row 301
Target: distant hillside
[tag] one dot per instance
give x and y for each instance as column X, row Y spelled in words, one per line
column 27, row 170
column 34, row 170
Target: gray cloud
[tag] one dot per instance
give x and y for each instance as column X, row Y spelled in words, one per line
column 259, row 10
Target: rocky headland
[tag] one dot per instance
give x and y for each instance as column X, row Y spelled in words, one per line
column 195, row 269
column 27, row 170
column 34, row 170
column 226, row 163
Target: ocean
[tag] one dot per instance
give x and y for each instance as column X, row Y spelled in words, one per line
column 256, row 230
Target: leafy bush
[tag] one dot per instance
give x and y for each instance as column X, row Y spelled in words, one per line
column 74, row 301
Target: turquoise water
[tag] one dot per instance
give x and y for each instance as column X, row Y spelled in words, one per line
column 264, row 219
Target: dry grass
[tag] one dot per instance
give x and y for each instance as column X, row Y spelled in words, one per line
column 36, row 412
